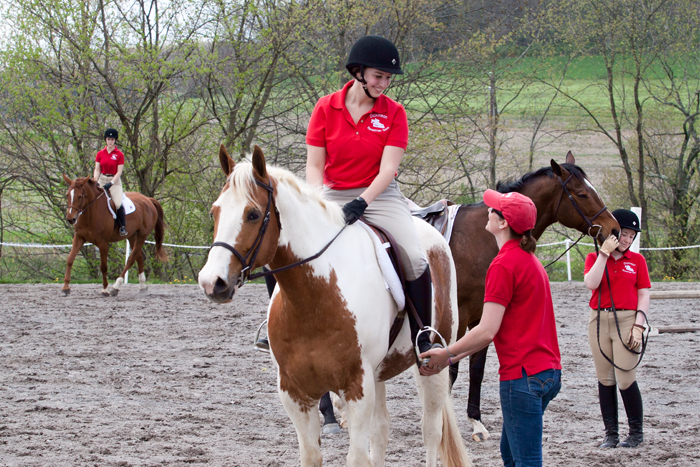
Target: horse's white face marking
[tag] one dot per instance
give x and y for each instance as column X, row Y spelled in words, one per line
column 590, row 185
column 72, row 194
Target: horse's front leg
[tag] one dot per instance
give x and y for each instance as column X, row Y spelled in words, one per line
column 305, row 420
column 104, row 252
column 380, row 426
column 75, row 249
column 359, row 413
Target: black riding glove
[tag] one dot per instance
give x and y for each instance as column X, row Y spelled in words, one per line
column 354, row 210
column 107, row 186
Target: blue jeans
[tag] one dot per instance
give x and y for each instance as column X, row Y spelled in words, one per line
column 523, row 402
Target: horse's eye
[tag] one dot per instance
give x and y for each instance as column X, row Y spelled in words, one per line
column 582, row 195
column 254, row 215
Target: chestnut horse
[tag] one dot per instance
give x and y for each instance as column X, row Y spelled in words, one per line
column 562, row 193
column 87, row 211
column 329, row 321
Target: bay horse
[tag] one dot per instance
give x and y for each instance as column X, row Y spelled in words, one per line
column 329, row 321
column 87, row 211
column 561, row 193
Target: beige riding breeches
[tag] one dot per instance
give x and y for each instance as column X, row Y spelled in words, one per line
column 613, row 347
column 390, row 212
column 115, row 191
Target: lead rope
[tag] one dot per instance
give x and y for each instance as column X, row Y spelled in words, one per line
column 617, row 324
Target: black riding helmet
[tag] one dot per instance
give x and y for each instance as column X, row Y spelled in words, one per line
column 627, row 219
column 373, row 52
column 111, row 133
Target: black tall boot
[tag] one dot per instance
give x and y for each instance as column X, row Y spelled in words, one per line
column 608, row 408
column 420, row 293
column 121, row 219
column 635, row 416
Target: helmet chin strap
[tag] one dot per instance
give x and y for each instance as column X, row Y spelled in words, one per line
column 362, row 81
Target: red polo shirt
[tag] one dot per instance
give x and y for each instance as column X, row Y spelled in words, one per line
column 627, row 275
column 354, row 151
column 109, row 161
column 527, row 337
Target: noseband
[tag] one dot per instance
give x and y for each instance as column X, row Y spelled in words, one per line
column 253, row 252
column 578, row 209
column 81, row 211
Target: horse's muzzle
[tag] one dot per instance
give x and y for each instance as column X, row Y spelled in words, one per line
column 220, row 291
column 72, row 221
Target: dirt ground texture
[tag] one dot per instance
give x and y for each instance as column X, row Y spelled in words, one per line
column 171, row 379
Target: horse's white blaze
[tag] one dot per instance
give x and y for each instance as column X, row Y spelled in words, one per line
column 229, row 226
column 590, row 185
column 72, row 194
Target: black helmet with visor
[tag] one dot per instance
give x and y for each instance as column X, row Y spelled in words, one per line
column 627, row 219
column 111, row 133
column 373, row 52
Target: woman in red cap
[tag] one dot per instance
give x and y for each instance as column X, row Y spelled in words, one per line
column 519, row 318
column 109, row 165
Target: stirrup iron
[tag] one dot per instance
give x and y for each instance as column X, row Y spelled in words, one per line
column 425, row 361
column 257, row 337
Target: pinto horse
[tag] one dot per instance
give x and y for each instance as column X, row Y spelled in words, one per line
column 329, row 321
column 87, row 211
column 562, row 193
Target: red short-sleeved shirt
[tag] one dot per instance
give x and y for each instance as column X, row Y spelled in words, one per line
column 354, row 151
column 109, row 161
column 527, row 337
column 627, row 275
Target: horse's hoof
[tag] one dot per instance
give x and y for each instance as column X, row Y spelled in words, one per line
column 143, row 291
column 331, row 429
column 65, row 292
column 478, row 437
column 113, row 293
column 480, row 432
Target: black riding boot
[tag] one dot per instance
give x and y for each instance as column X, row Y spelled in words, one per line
column 420, row 293
column 635, row 416
column 121, row 219
column 608, row 408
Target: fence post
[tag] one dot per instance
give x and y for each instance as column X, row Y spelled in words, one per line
column 636, row 244
column 126, row 260
column 568, row 260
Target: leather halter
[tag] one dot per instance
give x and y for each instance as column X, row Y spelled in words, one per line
column 577, row 208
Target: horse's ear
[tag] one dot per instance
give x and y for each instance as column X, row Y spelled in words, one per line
column 67, row 180
column 225, row 160
column 570, row 158
column 555, row 168
column 259, row 162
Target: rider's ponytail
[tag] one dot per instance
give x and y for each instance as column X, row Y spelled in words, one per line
column 528, row 242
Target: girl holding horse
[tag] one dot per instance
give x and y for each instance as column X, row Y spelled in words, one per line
column 355, row 140
column 618, row 311
column 109, row 165
column 518, row 317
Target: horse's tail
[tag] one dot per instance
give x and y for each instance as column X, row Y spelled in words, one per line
column 159, row 231
column 452, row 450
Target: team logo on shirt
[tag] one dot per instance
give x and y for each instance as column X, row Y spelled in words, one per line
column 114, row 157
column 376, row 124
column 629, row 267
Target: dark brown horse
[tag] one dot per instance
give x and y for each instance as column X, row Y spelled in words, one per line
column 562, row 193
column 87, row 210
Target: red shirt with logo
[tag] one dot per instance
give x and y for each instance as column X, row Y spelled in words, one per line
column 627, row 275
column 109, row 161
column 354, row 151
column 527, row 337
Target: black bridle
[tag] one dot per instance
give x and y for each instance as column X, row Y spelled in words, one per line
column 81, row 211
column 577, row 208
column 248, row 264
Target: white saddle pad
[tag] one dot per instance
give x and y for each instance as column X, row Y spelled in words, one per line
column 129, row 206
column 391, row 278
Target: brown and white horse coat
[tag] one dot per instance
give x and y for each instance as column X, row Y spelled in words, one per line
column 329, row 319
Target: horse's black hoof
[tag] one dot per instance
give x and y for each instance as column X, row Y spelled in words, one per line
column 113, row 293
column 65, row 292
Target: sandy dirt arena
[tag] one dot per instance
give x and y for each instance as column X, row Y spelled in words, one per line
column 172, row 379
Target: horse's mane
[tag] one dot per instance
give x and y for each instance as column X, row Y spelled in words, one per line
column 517, row 185
column 242, row 180
column 81, row 181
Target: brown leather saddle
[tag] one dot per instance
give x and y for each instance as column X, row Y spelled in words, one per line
column 435, row 215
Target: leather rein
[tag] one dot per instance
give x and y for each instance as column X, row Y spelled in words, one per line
column 81, row 211
column 248, row 260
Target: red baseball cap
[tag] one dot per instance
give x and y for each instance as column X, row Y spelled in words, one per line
column 517, row 209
